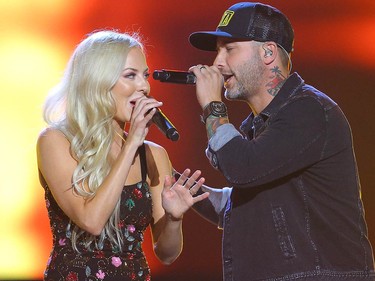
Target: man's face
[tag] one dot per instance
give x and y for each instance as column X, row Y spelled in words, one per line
column 241, row 67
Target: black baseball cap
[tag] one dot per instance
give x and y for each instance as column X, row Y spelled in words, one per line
column 248, row 20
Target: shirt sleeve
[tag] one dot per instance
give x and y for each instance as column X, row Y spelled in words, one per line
column 293, row 140
column 212, row 209
column 224, row 134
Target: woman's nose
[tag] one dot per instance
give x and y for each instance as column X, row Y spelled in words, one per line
column 144, row 86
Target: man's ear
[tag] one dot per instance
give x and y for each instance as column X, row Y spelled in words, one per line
column 270, row 49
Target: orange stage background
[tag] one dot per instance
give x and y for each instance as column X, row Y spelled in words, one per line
column 334, row 51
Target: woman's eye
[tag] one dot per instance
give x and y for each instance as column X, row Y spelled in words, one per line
column 147, row 75
column 129, row 75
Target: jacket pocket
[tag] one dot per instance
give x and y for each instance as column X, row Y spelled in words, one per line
column 284, row 239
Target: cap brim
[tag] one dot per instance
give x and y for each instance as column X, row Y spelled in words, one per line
column 206, row 40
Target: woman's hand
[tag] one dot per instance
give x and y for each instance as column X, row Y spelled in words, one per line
column 178, row 196
column 142, row 114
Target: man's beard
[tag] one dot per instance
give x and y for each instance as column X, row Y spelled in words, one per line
column 249, row 79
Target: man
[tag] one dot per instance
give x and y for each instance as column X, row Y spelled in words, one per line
column 294, row 211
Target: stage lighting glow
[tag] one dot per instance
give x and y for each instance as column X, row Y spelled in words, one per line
column 30, row 66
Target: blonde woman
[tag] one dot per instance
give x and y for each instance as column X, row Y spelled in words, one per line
column 104, row 186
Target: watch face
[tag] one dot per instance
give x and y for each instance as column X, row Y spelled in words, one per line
column 218, row 107
column 215, row 108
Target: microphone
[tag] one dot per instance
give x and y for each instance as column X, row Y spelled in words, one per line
column 174, row 76
column 165, row 126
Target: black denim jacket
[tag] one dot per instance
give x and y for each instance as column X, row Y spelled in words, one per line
column 295, row 212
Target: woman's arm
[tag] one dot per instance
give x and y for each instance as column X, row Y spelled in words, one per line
column 170, row 201
column 57, row 165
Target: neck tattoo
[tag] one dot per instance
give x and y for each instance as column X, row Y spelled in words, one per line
column 277, row 80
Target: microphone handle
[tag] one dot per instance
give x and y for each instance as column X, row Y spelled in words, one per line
column 165, row 126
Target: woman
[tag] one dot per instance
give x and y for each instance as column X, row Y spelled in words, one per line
column 104, row 186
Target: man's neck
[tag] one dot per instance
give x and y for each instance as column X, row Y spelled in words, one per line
column 271, row 88
column 275, row 81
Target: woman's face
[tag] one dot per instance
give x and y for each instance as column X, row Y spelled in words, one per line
column 132, row 84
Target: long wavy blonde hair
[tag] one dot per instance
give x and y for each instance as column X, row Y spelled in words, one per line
column 82, row 107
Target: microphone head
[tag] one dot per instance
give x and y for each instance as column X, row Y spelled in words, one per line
column 174, row 76
column 165, row 126
column 173, row 135
column 160, row 75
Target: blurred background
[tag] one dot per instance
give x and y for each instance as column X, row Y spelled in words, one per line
column 334, row 51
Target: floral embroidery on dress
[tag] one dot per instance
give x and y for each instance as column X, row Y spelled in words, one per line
column 130, row 204
column 116, row 261
column 107, row 262
column 100, row 275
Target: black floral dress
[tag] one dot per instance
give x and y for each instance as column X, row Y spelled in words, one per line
column 107, row 263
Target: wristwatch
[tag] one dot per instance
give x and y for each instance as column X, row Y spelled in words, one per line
column 214, row 108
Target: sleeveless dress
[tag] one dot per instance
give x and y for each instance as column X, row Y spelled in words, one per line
column 108, row 263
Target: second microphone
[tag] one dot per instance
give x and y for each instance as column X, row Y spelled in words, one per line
column 174, row 76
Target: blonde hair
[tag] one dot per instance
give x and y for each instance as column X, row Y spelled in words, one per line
column 82, row 107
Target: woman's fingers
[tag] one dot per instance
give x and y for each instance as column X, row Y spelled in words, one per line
column 194, row 188
column 144, row 108
column 183, row 177
column 193, row 179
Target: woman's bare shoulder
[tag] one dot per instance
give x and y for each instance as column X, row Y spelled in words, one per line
column 154, row 147
column 50, row 136
column 156, row 155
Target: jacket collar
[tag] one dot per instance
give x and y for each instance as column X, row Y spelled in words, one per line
column 290, row 87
